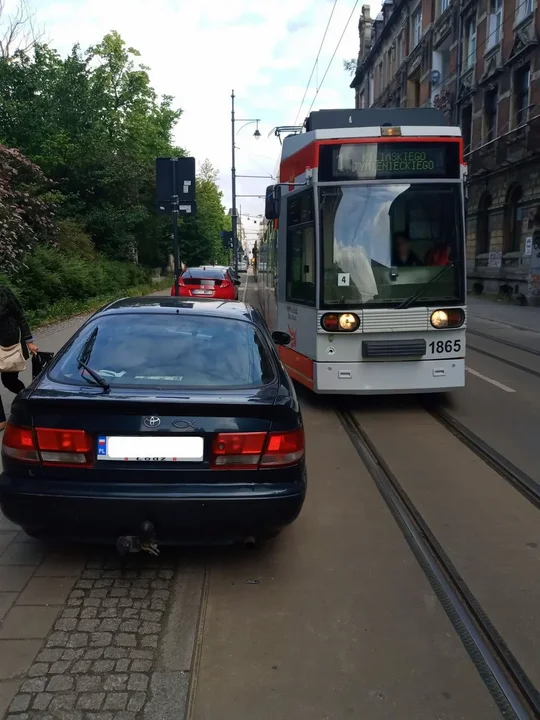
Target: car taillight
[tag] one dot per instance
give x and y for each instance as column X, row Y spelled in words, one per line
column 225, row 284
column 284, row 448
column 67, row 447
column 181, row 284
column 251, row 450
column 237, row 449
column 18, row 443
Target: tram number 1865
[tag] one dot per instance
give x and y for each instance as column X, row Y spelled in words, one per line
column 445, row 346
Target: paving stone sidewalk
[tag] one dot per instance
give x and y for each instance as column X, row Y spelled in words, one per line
column 79, row 638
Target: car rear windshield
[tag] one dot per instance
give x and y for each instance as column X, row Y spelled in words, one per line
column 211, row 273
column 166, row 351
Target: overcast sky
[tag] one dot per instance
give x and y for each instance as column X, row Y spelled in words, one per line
column 198, row 51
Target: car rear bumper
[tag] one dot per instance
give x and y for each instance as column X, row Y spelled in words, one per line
column 190, row 513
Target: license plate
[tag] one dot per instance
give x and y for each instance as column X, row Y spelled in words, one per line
column 150, row 449
column 203, row 292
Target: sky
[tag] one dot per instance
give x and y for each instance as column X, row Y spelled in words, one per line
column 198, row 51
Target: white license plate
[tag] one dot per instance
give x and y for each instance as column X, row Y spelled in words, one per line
column 203, row 292
column 150, row 449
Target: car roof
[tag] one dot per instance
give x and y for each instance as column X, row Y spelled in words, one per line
column 176, row 305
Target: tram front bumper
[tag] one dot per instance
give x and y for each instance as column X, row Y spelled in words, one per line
column 389, row 377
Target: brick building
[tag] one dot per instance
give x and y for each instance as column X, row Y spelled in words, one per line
column 479, row 61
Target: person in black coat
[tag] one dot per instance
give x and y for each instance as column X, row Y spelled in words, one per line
column 13, row 328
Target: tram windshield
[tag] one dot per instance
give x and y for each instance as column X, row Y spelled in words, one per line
column 382, row 243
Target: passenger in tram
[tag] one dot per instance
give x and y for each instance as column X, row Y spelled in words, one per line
column 438, row 255
column 403, row 254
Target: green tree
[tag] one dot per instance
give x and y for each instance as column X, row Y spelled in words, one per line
column 95, row 125
column 200, row 237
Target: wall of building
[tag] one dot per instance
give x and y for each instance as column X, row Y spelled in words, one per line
column 470, row 59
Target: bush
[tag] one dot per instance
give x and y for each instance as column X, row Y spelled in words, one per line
column 53, row 279
column 73, row 240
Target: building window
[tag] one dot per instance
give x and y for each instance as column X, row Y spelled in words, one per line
column 524, row 8
column 512, row 220
column 466, row 127
column 371, row 91
column 522, row 79
column 417, row 26
column 300, row 248
column 490, row 115
column 495, row 23
column 482, row 225
column 469, row 44
column 443, row 5
column 362, row 100
column 399, row 49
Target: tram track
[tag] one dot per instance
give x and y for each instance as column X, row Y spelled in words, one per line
column 522, row 482
column 509, row 343
column 509, row 685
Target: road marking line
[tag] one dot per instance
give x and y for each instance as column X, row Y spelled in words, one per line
column 490, row 380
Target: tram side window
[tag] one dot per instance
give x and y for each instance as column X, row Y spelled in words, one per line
column 301, row 249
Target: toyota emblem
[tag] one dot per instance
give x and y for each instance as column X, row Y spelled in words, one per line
column 152, row 421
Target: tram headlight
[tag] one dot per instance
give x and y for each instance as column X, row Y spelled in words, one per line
column 450, row 318
column 343, row 322
column 349, row 322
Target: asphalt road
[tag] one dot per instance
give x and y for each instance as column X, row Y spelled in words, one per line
column 334, row 619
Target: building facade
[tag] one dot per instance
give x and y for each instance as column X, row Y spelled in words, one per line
column 479, row 62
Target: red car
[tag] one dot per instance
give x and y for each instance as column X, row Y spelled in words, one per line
column 215, row 283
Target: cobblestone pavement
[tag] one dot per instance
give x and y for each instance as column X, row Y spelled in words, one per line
column 100, row 631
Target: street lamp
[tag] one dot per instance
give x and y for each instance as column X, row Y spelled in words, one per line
column 257, row 135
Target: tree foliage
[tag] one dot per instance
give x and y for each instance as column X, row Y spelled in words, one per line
column 26, row 213
column 200, row 236
column 92, row 123
column 350, row 66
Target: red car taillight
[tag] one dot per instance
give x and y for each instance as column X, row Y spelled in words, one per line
column 55, row 446
column 68, row 447
column 18, row 443
column 251, row 450
column 180, row 285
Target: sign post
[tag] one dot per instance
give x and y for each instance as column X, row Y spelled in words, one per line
column 175, row 191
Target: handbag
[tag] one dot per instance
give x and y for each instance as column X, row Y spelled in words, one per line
column 12, row 358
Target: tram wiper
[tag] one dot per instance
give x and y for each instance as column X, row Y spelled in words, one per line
column 409, row 301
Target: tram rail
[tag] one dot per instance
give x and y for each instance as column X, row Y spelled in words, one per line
column 506, row 361
column 510, row 687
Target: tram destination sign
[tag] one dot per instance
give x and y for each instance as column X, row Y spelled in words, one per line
column 389, row 161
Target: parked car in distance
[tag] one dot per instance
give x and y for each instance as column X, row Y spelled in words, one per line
column 161, row 414
column 242, row 266
column 212, row 282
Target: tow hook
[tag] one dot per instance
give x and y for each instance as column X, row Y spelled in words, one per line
column 145, row 542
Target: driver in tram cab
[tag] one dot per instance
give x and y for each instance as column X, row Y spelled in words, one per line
column 403, row 254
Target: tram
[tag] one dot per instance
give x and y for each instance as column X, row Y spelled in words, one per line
column 362, row 260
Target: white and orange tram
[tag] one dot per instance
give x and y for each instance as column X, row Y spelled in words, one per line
column 362, row 261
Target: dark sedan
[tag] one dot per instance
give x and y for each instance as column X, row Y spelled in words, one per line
column 160, row 417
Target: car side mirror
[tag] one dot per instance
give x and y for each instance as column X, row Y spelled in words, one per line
column 237, row 282
column 281, row 338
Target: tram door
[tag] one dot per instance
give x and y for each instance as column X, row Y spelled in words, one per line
column 297, row 314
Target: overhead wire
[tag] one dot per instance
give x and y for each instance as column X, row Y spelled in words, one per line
column 333, row 55
column 316, row 61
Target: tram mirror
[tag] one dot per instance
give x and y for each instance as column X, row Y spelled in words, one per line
column 272, row 202
column 281, row 338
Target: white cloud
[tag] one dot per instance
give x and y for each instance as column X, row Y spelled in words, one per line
column 199, row 51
